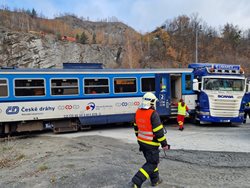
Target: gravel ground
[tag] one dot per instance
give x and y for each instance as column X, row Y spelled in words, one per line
column 93, row 159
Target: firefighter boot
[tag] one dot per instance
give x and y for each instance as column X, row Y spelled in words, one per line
column 157, row 183
column 133, row 185
column 181, row 128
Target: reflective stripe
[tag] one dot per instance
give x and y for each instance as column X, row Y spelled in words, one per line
column 145, row 136
column 161, row 139
column 156, row 170
column 144, row 173
column 136, row 131
column 158, row 128
column 146, row 132
column 149, row 142
column 135, row 125
column 180, row 122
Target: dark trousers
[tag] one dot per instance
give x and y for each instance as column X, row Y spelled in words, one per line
column 247, row 113
column 149, row 169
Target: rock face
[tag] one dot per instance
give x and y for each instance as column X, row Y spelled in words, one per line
column 30, row 50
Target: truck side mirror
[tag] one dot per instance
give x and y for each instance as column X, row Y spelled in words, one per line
column 195, row 85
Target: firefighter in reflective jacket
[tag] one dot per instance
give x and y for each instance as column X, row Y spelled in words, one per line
column 182, row 111
column 150, row 135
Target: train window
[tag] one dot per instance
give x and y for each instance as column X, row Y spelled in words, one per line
column 65, row 86
column 188, row 83
column 29, row 87
column 147, row 84
column 3, row 88
column 96, row 85
column 125, row 85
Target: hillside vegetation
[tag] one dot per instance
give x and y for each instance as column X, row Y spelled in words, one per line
column 173, row 44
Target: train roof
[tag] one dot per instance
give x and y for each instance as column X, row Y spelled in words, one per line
column 92, row 71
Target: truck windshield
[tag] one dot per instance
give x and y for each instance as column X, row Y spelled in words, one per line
column 223, row 84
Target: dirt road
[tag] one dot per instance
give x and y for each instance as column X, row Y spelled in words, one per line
column 201, row 156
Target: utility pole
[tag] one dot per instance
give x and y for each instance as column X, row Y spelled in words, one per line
column 197, row 29
column 196, row 45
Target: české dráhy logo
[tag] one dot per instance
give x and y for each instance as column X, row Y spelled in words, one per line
column 12, row 110
column 90, row 106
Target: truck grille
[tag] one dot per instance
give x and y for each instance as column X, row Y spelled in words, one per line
column 224, row 107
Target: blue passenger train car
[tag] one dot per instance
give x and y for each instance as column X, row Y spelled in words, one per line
column 77, row 97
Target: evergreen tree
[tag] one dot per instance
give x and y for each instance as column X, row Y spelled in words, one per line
column 28, row 12
column 33, row 13
column 83, row 38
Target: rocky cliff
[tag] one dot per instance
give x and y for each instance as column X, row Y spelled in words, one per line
column 34, row 51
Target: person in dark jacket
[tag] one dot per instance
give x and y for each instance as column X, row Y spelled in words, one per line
column 150, row 135
column 246, row 112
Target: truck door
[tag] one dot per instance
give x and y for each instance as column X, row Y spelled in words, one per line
column 162, row 91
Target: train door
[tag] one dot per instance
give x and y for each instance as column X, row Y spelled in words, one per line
column 176, row 91
column 163, row 93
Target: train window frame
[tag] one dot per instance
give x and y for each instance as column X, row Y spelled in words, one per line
column 7, row 87
column 141, row 84
column 30, row 92
column 188, row 82
column 64, row 87
column 94, row 88
column 114, row 85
